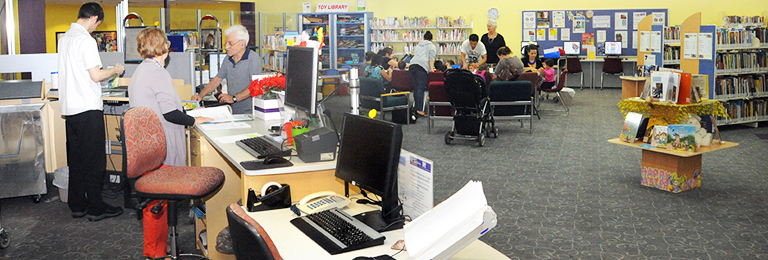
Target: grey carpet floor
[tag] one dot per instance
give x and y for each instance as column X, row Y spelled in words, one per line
column 562, row 192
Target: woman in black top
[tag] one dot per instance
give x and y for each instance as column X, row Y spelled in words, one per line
column 531, row 59
column 492, row 41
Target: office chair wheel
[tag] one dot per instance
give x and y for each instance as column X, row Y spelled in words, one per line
column 448, row 137
column 5, row 239
column 481, row 140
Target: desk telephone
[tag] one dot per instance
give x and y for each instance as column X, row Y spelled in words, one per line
column 319, row 201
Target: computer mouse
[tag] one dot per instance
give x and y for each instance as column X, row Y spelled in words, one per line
column 275, row 160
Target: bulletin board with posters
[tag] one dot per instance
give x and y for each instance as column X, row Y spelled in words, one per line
column 552, row 28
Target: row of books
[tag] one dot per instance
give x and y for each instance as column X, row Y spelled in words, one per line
column 446, row 21
column 761, row 33
column 733, row 37
column 672, row 53
column 739, row 62
column 449, row 48
column 657, row 133
column 413, row 35
column 376, row 47
column 385, row 35
column 672, row 33
column 410, row 22
column 451, row 35
column 275, row 60
column 274, row 42
column 386, row 23
column 740, row 86
column 744, row 110
column 733, row 20
column 343, row 18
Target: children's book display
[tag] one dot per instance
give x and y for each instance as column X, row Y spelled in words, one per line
column 631, row 126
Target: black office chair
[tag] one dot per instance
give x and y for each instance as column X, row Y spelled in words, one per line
column 249, row 240
column 573, row 66
column 611, row 66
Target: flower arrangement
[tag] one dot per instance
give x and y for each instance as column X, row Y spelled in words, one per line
column 265, row 87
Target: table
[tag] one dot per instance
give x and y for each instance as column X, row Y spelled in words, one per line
column 596, row 60
column 631, row 86
column 670, row 170
column 208, row 148
column 293, row 244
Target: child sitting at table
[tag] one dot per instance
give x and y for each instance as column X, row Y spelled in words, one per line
column 548, row 72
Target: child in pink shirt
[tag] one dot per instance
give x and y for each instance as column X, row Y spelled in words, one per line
column 548, row 72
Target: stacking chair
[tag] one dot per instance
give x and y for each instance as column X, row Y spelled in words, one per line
column 611, row 66
column 438, row 105
column 511, row 100
column 573, row 66
column 556, row 90
column 373, row 96
column 144, row 152
column 249, row 240
column 532, row 77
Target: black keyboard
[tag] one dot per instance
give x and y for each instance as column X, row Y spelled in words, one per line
column 338, row 232
column 263, row 146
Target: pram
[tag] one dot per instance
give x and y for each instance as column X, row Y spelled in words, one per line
column 468, row 95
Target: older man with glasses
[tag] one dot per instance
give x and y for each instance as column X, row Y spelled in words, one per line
column 237, row 69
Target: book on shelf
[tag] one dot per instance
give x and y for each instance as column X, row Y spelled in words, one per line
column 664, row 86
column 659, row 136
column 630, row 127
column 681, row 137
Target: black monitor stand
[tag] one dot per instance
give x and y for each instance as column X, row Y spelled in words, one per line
column 377, row 220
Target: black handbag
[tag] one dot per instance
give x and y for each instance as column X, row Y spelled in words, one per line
column 277, row 199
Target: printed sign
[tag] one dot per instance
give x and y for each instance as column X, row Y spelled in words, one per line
column 332, row 7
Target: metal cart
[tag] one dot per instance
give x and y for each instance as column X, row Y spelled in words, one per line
column 22, row 160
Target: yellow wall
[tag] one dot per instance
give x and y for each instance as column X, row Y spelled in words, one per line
column 509, row 22
column 58, row 18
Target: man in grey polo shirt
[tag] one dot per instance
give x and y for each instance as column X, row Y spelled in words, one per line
column 237, row 69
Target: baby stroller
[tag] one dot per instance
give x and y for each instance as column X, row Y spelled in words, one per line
column 468, row 95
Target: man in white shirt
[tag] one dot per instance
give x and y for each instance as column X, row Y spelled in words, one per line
column 471, row 52
column 82, row 107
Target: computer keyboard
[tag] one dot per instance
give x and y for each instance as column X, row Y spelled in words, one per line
column 337, row 232
column 263, row 146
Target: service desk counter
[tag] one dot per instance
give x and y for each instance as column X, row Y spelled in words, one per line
column 217, row 148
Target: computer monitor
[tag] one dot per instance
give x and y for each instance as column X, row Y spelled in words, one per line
column 368, row 158
column 613, row 48
column 572, row 48
column 214, row 63
column 301, row 79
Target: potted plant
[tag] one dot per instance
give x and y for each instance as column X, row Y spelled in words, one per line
column 266, row 102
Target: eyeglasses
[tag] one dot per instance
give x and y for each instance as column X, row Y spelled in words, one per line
column 232, row 44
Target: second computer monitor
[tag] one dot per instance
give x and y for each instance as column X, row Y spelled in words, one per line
column 613, row 48
column 301, row 79
column 572, row 48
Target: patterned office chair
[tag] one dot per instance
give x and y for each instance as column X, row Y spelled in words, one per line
column 611, row 66
column 573, row 66
column 560, row 85
column 145, row 150
column 249, row 240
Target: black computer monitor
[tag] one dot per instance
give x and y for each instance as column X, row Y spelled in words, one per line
column 301, row 79
column 572, row 48
column 368, row 158
column 612, row 48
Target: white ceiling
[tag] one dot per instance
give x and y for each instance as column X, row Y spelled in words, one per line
column 136, row 2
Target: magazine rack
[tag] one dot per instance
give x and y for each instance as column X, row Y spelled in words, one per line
column 672, row 170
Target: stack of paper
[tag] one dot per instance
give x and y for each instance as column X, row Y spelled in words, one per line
column 448, row 223
column 219, row 113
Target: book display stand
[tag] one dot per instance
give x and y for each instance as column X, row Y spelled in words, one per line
column 672, row 170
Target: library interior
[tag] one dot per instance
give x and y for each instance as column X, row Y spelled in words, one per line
column 253, row 129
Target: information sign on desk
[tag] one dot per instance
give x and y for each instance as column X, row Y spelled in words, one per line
column 414, row 184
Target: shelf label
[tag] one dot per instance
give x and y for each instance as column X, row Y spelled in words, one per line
column 332, row 7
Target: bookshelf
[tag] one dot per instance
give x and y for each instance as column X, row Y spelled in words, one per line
column 276, row 30
column 671, row 56
column 403, row 35
column 347, row 36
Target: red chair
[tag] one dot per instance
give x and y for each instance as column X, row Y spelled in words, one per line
column 249, row 240
column 401, row 80
column 435, row 76
column 560, row 85
column 438, row 105
column 611, row 66
column 533, row 77
column 573, row 66
column 144, row 152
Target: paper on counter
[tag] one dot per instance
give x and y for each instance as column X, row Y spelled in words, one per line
column 219, row 114
column 224, row 126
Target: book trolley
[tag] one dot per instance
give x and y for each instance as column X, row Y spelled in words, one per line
column 672, row 170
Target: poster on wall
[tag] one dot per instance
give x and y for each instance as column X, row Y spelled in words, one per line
column 658, row 18
column 529, row 20
column 656, row 41
column 542, row 19
column 600, row 36
column 705, row 46
column 601, row 21
column 579, row 24
column 553, row 34
column 690, row 43
column 621, row 21
column 636, row 18
column 634, row 39
column 541, row 34
column 529, row 35
column 306, row 7
column 621, row 36
column 565, row 34
column 645, row 41
column 558, row 19
column 587, row 39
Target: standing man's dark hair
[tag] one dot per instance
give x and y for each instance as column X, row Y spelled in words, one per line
column 428, row 36
column 473, row 38
column 89, row 10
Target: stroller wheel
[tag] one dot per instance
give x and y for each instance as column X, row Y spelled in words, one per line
column 448, row 137
column 481, row 140
column 5, row 239
column 495, row 132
